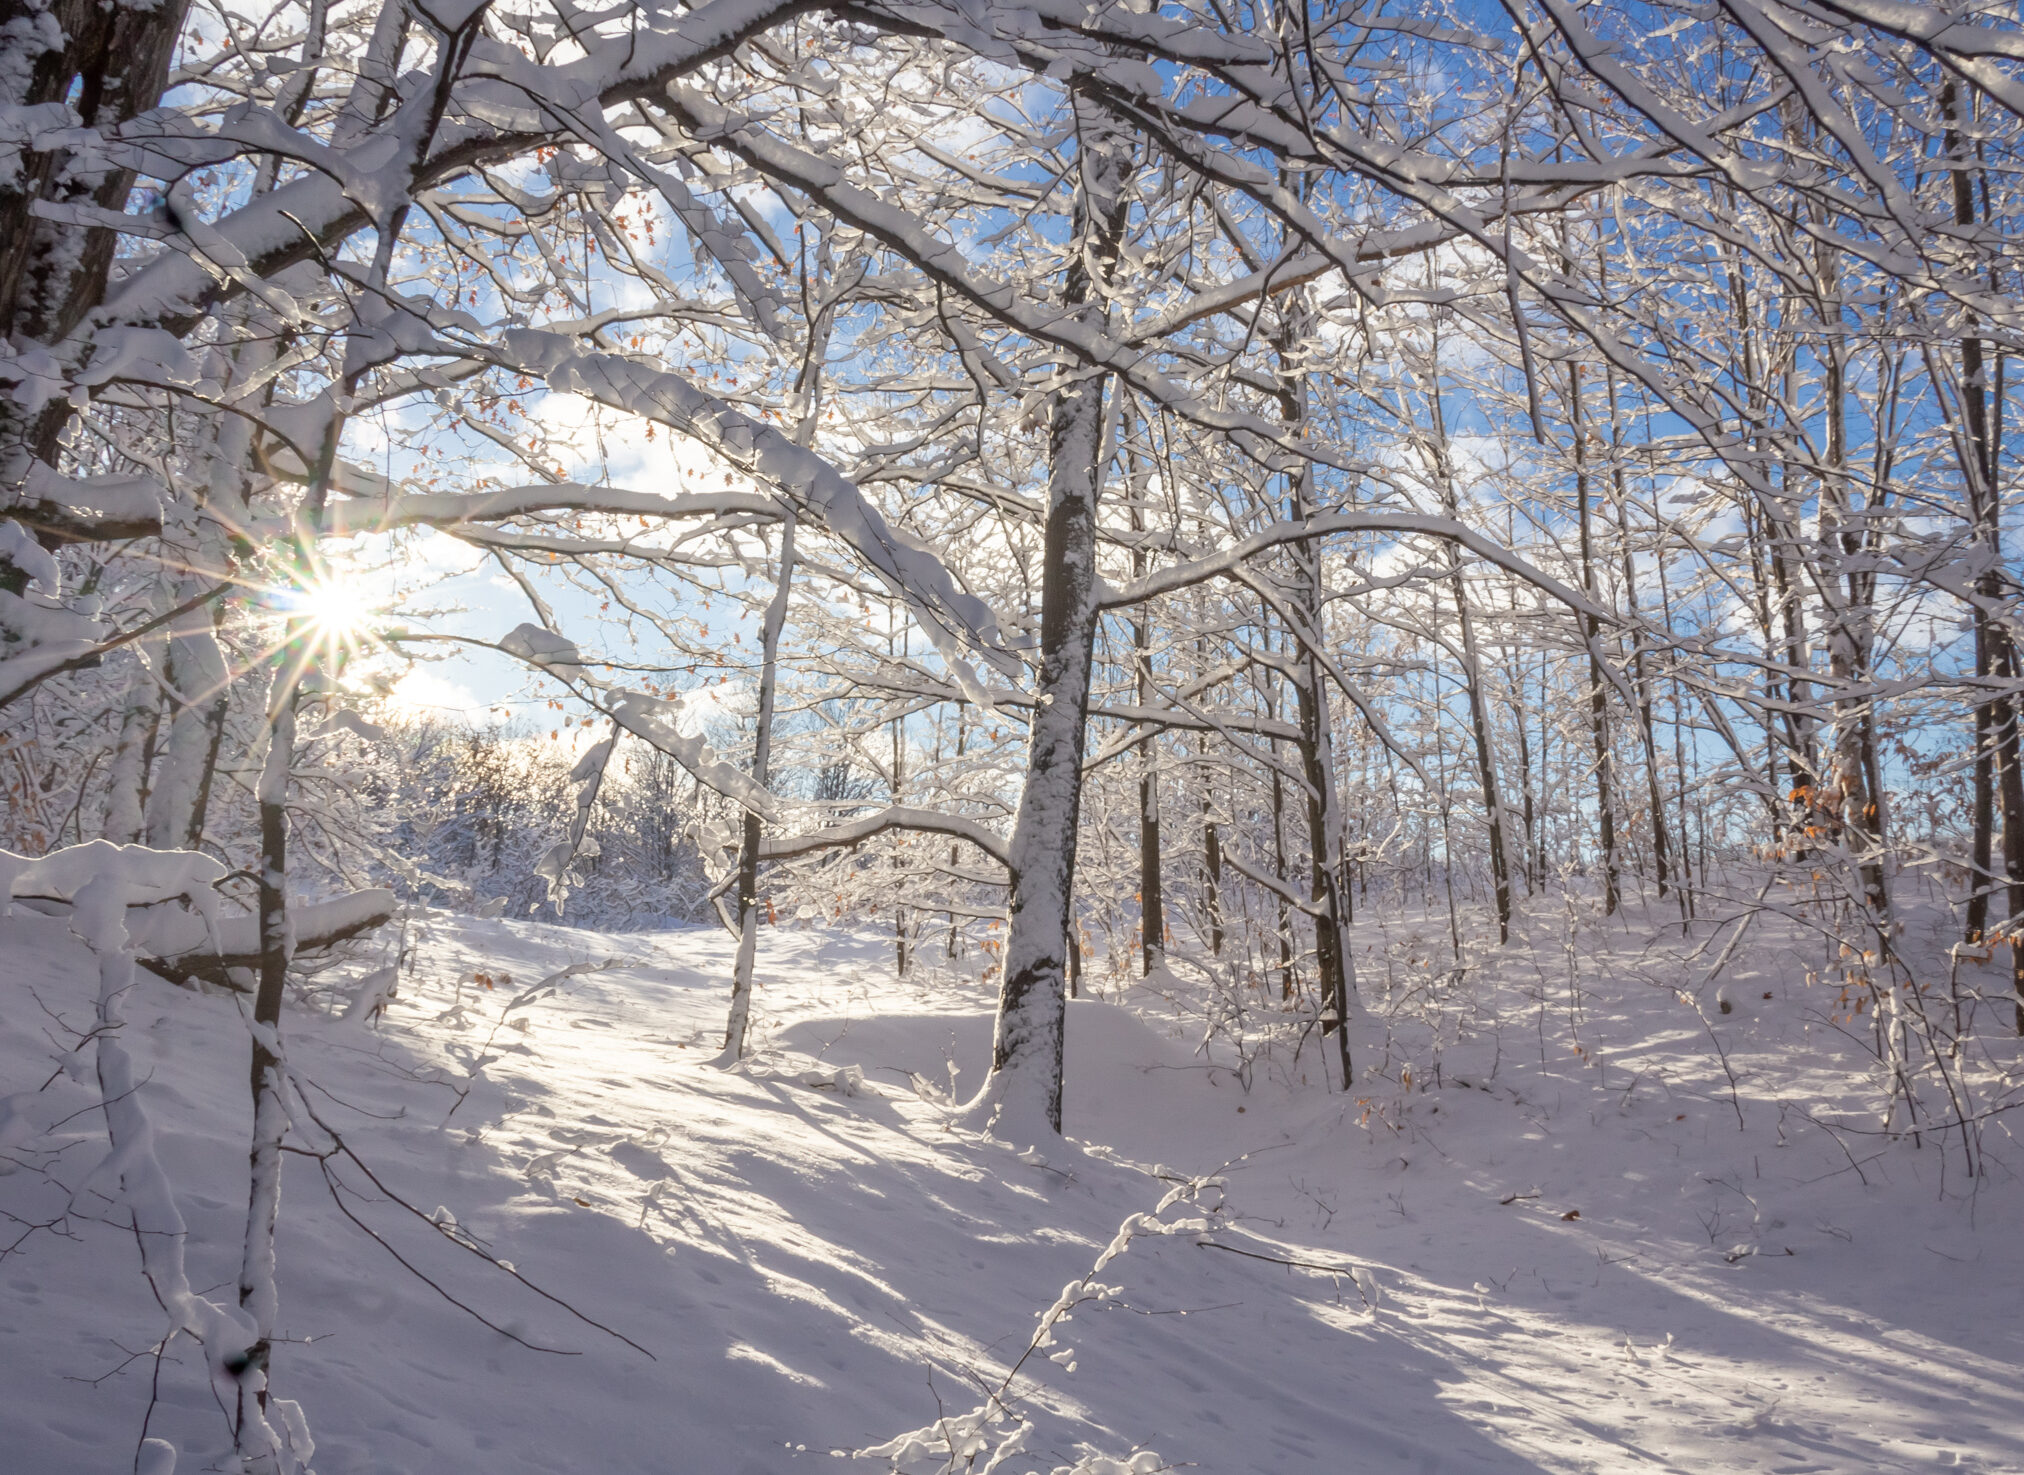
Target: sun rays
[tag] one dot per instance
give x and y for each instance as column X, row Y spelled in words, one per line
column 337, row 611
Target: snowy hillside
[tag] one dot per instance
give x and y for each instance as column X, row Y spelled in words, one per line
column 1527, row 1258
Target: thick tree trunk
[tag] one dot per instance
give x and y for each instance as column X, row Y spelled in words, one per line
column 1317, row 746
column 1997, row 778
column 111, row 66
column 1021, row 1098
column 133, row 752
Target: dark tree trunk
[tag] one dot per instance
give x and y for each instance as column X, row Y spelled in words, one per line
column 1531, row 817
column 1317, row 746
column 1152, row 908
column 1279, row 874
column 1591, row 629
column 1021, row 1097
column 1152, row 901
column 1996, row 738
column 111, row 67
column 1472, row 678
column 1212, row 855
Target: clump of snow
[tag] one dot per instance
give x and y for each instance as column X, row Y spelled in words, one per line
column 544, row 648
column 37, row 564
column 845, row 1080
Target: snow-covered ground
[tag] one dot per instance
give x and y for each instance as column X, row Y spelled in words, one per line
column 1527, row 1257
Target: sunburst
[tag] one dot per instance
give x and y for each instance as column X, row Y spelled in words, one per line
column 336, row 608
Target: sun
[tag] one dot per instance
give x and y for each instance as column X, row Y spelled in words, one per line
column 336, row 608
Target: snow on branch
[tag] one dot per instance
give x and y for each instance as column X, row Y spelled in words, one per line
column 1217, row 565
column 453, row 509
column 826, row 181
column 503, row 104
column 895, row 817
column 951, row 615
column 656, row 722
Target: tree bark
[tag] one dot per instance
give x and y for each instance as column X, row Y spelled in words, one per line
column 1021, row 1097
column 127, row 778
column 1997, row 776
column 1152, row 901
column 1317, row 747
column 52, row 273
column 257, row 1295
column 762, row 757
column 1640, row 678
column 1525, row 777
column 1212, row 860
column 1591, row 629
column 1472, row 675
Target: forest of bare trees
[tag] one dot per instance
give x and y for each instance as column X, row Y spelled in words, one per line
column 1116, row 489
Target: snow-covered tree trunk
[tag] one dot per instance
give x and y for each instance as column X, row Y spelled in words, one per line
column 1212, row 852
column 127, row 781
column 102, row 63
column 200, row 702
column 197, row 676
column 1021, row 1098
column 1310, row 693
column 748, row 848
column 258, row 1295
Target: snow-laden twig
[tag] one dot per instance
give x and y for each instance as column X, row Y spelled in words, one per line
column 955, row 1443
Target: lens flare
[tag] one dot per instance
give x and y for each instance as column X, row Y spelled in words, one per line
column 335, row 608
